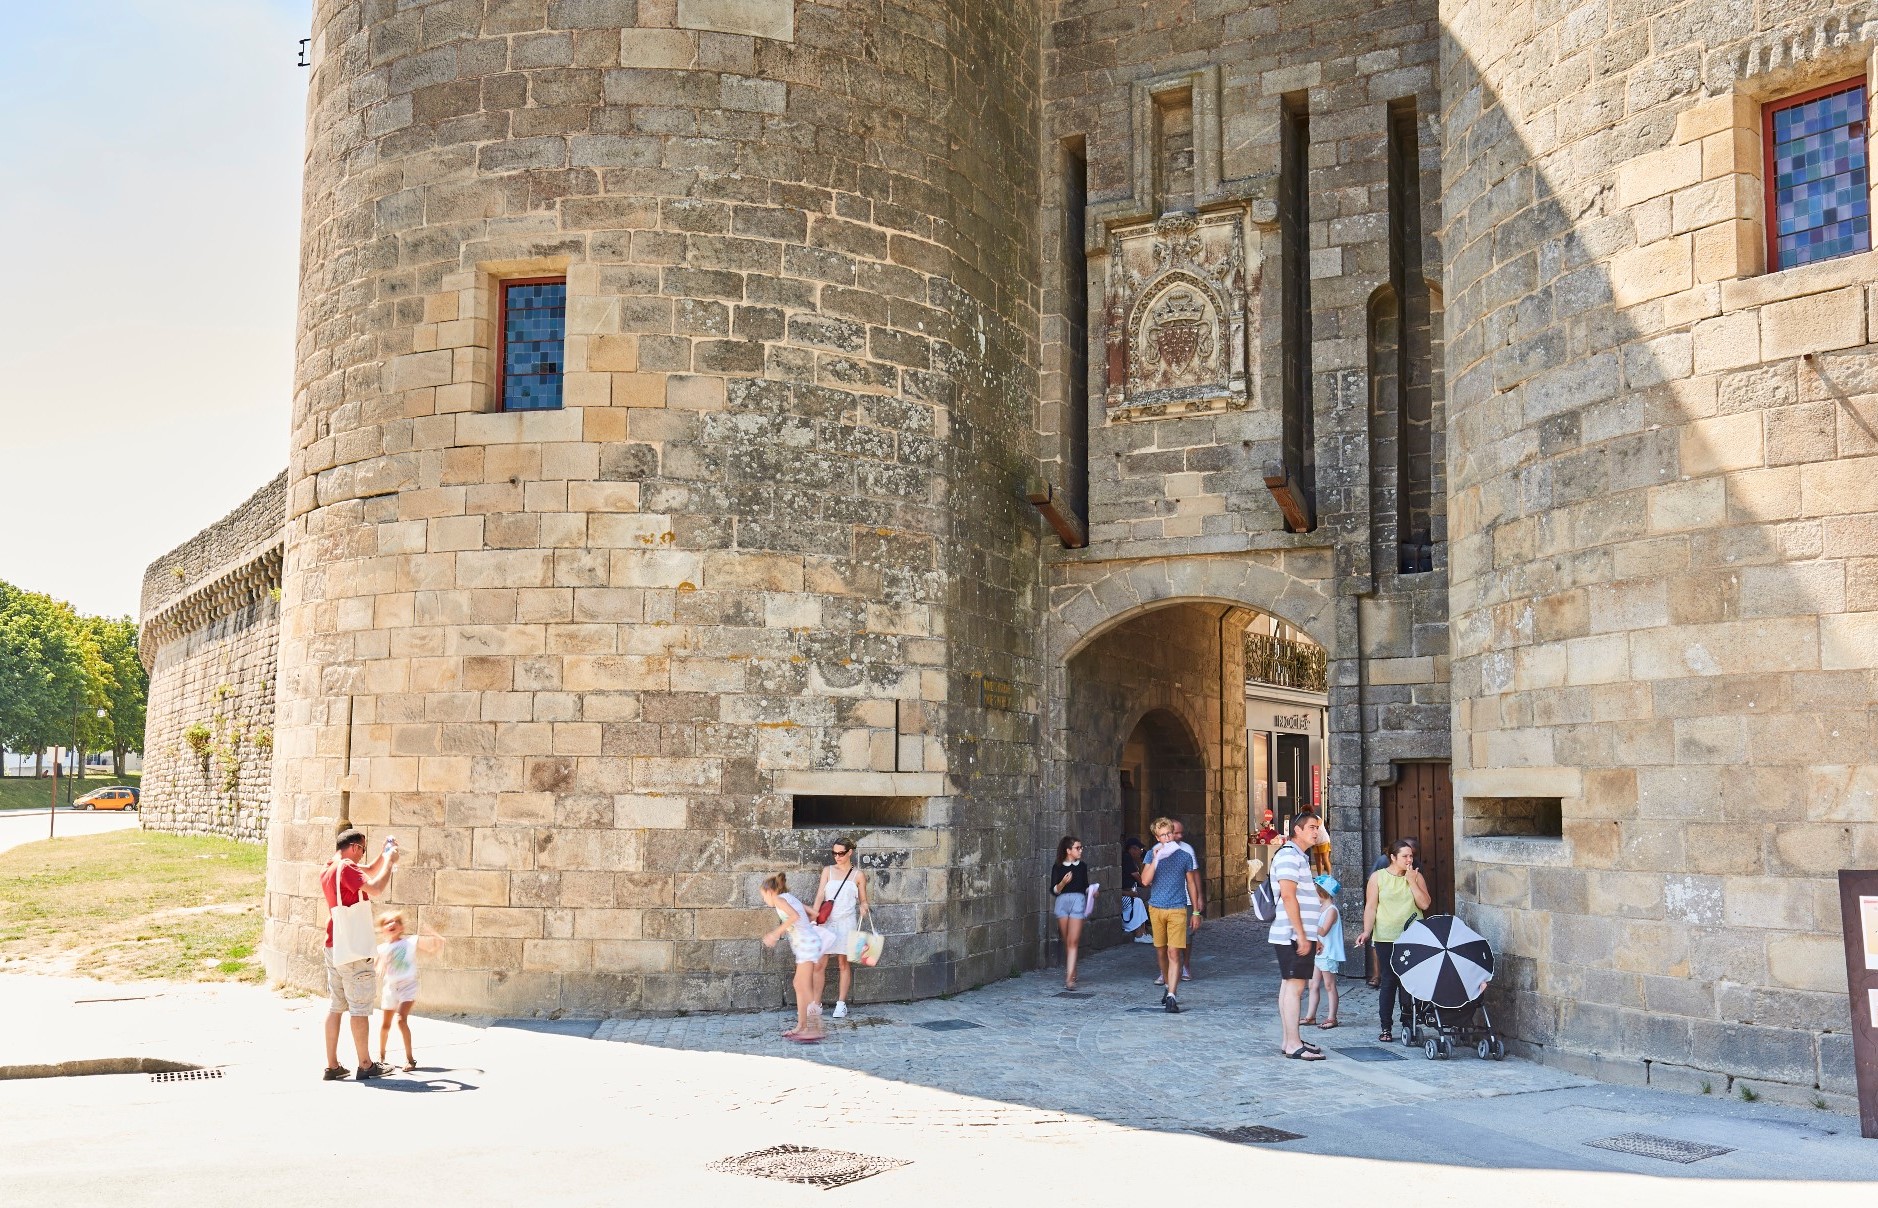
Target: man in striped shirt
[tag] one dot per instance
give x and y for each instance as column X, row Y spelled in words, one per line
column 1294, row 931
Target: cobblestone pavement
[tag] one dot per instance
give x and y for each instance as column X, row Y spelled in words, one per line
column 1112, row 1053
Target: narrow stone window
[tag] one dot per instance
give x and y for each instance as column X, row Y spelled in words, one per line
column 1414, row 368
column 532, row 320
column 1076, row 323
column 1513, row 818
column 1294, row 235
column 1818, row 182
column 818, row 811
column 1173, row 141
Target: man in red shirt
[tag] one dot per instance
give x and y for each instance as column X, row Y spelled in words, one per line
column 352, row 984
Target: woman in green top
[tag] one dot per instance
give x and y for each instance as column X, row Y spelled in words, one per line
column 1396, row 896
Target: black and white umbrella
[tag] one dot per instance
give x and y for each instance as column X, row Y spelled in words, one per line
column 1443, row 961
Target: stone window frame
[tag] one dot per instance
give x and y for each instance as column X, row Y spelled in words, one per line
column 501, row 286
column 1731, row 131
column 1771, row 106
column 1565, row 784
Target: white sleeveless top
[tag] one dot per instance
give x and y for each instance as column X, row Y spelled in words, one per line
column 847, row 898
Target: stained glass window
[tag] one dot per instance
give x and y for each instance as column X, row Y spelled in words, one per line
column 534, row 331
column 1819, row 185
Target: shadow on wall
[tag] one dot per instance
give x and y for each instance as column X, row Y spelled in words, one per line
column 1649, row 546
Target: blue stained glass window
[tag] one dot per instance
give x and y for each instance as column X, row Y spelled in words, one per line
column 1822, row 191
column 534, row 332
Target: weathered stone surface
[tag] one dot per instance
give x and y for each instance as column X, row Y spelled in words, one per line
column 210, row 637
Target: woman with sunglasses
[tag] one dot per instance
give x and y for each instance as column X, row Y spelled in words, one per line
column 1069, row 885
column 843, row 887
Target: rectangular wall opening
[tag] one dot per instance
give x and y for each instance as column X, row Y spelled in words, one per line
column 1173, row 143
column 1294, row 239
column 1414, row 368
column 1075, row 168
column 1512, row 818
column 825, row 811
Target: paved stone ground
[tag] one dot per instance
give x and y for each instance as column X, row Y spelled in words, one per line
column 1048, row 1092
column 1115, row 1054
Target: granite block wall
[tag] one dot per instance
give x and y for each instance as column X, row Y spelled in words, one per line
column 209, row 633
column 584, row 662
column 1659, row 514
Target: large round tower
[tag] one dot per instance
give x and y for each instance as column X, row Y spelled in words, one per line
column 1661, row 518
column 664, row 383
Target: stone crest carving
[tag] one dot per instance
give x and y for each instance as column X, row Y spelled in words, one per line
column 1176, row 310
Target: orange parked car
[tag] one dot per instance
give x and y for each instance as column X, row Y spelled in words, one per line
column 117, row 797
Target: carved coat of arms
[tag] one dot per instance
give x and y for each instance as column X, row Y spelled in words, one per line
column 1176, row 309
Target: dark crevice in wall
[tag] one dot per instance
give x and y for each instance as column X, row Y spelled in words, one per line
column 1413, row 348
column 1075, row 173
column 1294, row 236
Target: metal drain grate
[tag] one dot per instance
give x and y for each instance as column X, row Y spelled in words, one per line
column 948, row 1025
column 1370, row 1053
column 1250, row 1134
column 184, row 1075
column 1667, row 1149
column 806, row 1164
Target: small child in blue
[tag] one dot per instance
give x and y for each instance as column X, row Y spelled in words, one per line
column 1329, row 953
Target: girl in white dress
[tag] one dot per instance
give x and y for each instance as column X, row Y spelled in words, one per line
column 808, row 943
column 846, row 886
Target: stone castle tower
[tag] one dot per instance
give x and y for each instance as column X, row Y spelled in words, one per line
column 955, row 404
column 588, row 663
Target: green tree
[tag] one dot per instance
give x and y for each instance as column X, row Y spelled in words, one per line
column 49, row 662
column 126, row 690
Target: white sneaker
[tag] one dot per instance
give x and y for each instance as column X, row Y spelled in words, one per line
column 841, row 1010
column 1144, row 939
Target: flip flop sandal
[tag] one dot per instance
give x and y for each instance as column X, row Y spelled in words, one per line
column 1328, row 1024
column 411, row 1068
column 1304, row 1053
column 1307, row 1044
column 1386, row 1038
column 1308, row 1019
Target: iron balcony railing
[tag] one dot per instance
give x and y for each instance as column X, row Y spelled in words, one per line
column 1283, row 663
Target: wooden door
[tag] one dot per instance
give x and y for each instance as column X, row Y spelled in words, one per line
column 1420, row 805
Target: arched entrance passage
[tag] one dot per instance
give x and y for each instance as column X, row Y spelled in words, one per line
column 1154, row 723
column 1162, row 774
column 1155, row 645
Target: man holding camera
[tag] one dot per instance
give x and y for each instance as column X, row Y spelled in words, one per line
column 351, row 979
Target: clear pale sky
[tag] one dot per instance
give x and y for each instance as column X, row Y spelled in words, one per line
column 150, row 205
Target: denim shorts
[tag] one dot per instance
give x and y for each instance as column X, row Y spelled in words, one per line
column 1072, row 905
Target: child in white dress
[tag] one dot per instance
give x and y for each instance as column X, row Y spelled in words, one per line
column 397, row 980
column 1329, row 953
column 810, row 945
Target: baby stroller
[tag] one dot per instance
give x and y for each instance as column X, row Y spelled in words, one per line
column 1446, row 967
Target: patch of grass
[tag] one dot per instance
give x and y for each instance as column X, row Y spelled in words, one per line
column 1748, row 1093
column 133, row 905
column 30, row 793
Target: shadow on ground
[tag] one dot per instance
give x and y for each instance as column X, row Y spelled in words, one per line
column 1022, row 1052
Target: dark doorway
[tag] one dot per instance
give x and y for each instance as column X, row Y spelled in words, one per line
column 1420, row 805
column 1163, row 774
column 1291, row 779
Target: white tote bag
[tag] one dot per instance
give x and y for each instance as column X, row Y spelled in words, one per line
column 353, row 937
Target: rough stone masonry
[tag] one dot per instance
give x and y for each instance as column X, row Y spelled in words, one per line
column 1442, row 332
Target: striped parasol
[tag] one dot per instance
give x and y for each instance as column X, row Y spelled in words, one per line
column 1443, row 961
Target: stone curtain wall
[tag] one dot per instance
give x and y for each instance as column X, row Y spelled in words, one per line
column 581, row 662
column 1662, row 512
column 210, row 636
